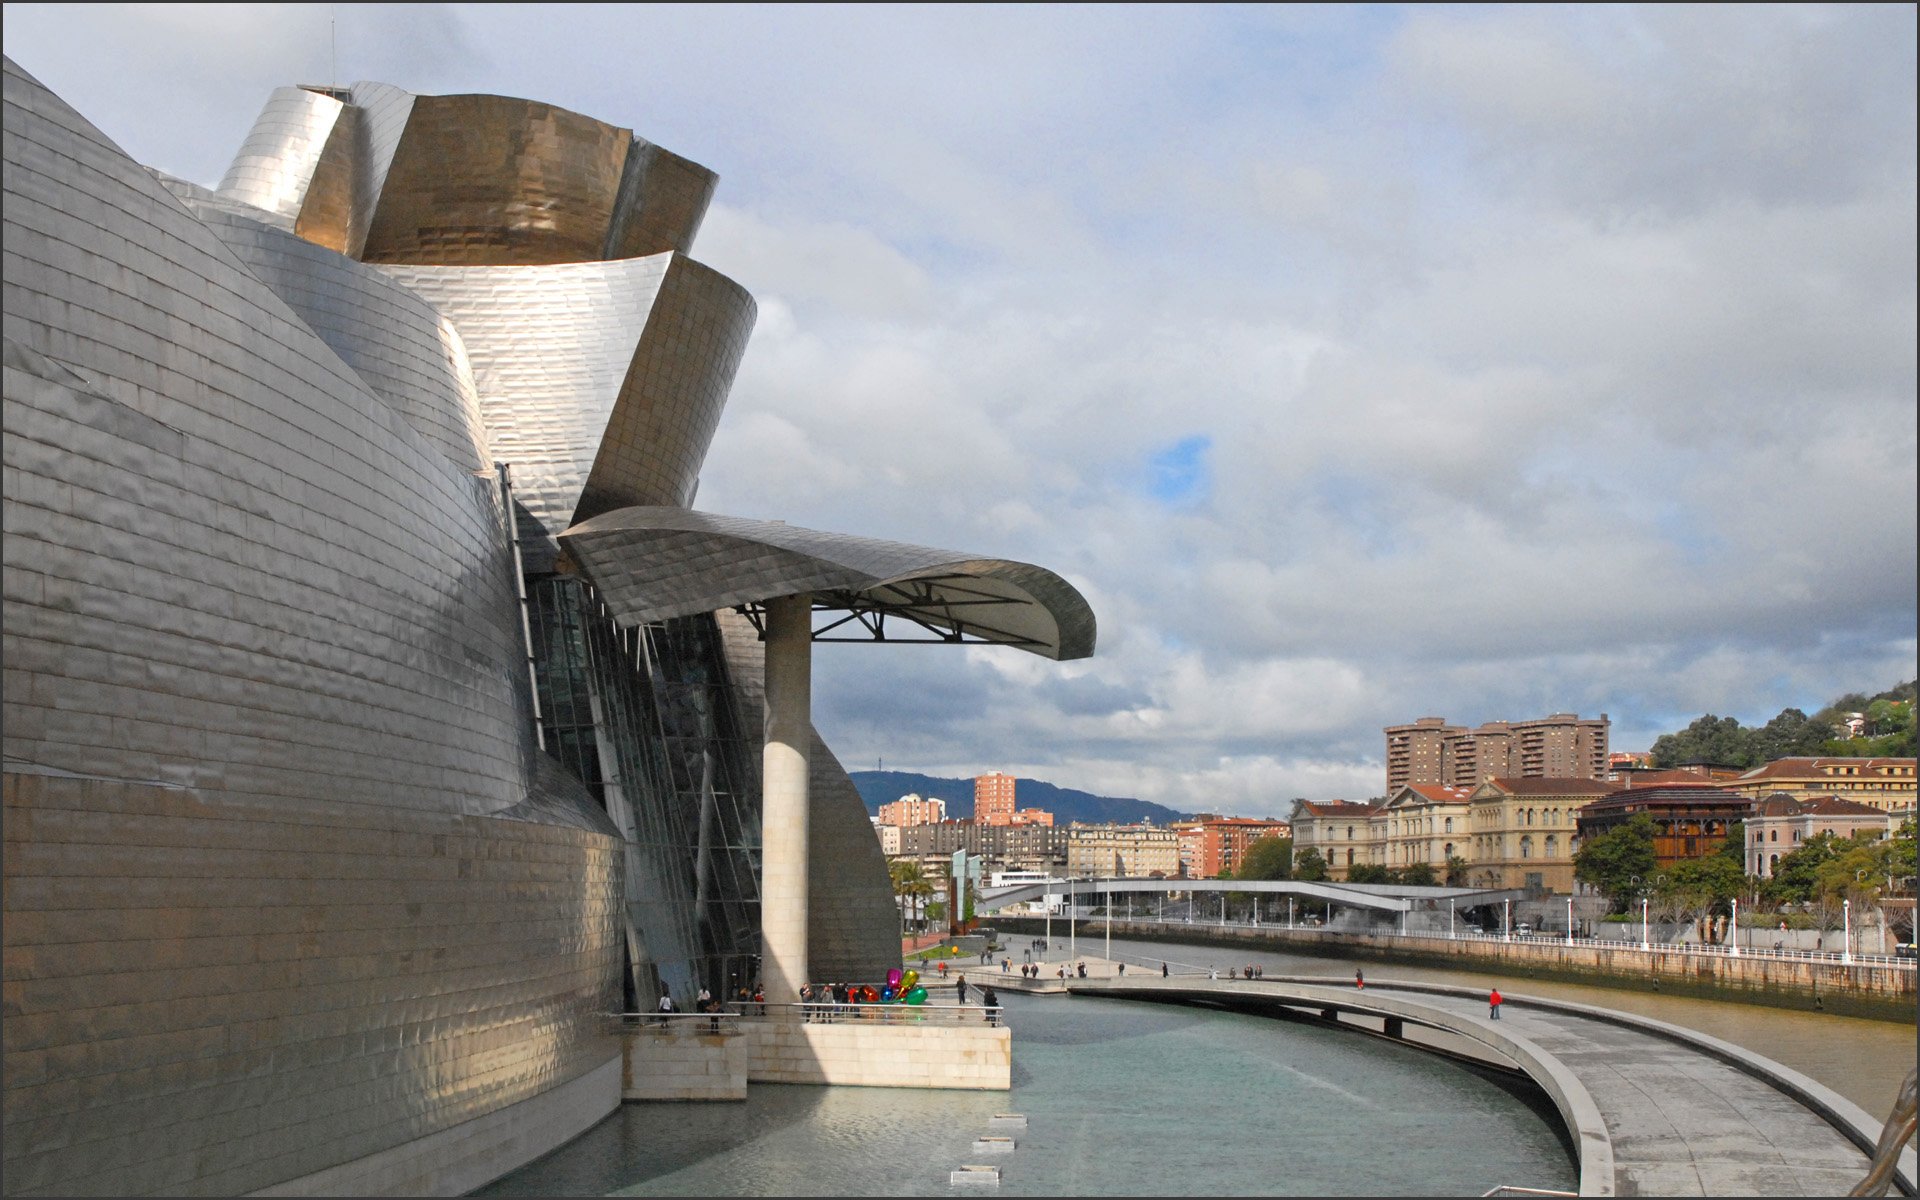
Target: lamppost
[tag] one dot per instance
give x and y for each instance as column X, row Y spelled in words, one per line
column 1846, row 946
column 1733, row 931
column 1109, row 953
column 1569, row 920
column 1449, row 918
column 1507, row 906
column 1289, row 912
column 1046, row 902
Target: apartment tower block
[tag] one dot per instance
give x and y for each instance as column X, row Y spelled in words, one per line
column 1430, row 751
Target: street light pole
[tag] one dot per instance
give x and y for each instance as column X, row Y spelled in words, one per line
column 1449, row 918
column 1569, row 920
column 1644, row 943
column 1733, row 931
column 1846, row 947
column 1109, row 955
column 1507, row 905
column 1046, row 902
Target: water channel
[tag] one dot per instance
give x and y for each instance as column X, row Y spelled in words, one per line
column 1125, row 1098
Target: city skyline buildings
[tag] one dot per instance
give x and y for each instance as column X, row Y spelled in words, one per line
column 1354, row 347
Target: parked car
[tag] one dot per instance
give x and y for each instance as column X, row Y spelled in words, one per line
column 1904, row 950
column 1523, row 929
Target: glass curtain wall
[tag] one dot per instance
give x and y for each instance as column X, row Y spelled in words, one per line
column 646, row 719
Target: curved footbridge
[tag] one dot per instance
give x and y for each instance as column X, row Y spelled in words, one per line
column 1653, row 1109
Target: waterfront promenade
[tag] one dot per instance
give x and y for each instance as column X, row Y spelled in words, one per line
column 1653, row 1109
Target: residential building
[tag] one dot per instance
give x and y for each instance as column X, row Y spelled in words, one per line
column 1122, row 852
column 1690, row 820
column 993, row 798
column 1524, row 831
column 1781, row 823
column 1005, row 847
column 1422, row 823
column 1337, row 829
column 889, row 836
column 1562, row 745
column 912, row 809
column 1887, row 784
column 1212, row 848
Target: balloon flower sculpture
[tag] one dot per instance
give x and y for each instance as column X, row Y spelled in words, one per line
column 903, row 988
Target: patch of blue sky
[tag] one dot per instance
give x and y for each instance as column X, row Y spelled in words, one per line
column 1181, row 475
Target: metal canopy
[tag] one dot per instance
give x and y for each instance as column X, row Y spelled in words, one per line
column 652, row 563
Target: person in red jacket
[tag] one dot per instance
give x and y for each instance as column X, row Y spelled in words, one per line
column 1493, row 1005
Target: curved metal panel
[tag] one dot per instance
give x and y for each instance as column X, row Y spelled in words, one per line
column 670, row 403
column 275, row 165
column 552, row 348
column 400, row 345
column 383, row 118
column 655, row 562
column 498, row 181
column 663, row 198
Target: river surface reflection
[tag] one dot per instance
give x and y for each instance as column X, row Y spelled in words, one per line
column 1122, row 1099
column 1865, row 1061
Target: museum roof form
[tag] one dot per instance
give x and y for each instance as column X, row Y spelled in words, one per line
column 654, row 562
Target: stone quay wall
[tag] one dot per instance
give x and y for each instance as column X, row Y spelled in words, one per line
column 1877, row 991
column 976, row 1057
column 680, row 1062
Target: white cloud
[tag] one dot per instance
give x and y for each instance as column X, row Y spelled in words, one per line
column 1550, row 359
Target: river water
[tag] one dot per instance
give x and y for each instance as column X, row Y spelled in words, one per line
column 1125, row 1098
column 1122, row 1099
column 1865, row 1061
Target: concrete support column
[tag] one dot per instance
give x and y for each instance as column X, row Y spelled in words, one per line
column 783, row 798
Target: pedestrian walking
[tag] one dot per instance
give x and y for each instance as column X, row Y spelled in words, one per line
column 960, row 988
column 1163, row 971
column 1493, row 1005
column 1359, row 980
column 1006, row 965
column 1123, row 970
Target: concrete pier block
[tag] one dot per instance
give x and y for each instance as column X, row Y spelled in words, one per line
column 993, row 1145
column 975, row 1175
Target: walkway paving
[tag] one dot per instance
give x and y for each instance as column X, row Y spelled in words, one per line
column 1652, row 1114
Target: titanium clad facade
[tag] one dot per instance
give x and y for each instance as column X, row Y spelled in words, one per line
column 289, row 883
column 340, row 806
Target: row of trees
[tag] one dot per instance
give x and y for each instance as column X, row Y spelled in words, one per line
column 1888, row 733
column 1273, row 858
column 1819, row 875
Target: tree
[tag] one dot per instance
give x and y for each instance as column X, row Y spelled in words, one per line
column 909, row 882
column 1309, row 867
column 1369, row 873
column 1709, row 739
column 1418, row 875
column 1267, row 858
column 1796, row 876
column 1457, row 869
column 1792, row 734
column 1700, row 889
column 1610, row 861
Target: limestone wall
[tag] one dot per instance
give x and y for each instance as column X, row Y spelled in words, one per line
column 971, row 1057
column 680, row 1062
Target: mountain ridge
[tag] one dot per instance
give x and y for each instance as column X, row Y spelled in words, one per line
column 1066, row 804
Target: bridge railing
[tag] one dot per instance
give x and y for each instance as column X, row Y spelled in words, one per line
column 1836, row 957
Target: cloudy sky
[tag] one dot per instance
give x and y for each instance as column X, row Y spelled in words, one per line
column 1357, row 364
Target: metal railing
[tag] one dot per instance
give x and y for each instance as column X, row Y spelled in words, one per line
column 828, row 1013
column 1837, row 957
column 678, row 1024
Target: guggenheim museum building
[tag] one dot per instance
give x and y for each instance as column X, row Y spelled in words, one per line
column 380, row 711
